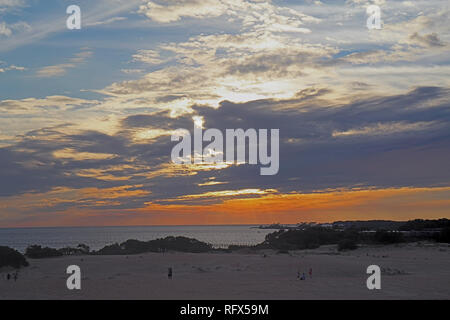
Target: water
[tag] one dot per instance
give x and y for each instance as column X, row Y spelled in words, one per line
column 97, row 237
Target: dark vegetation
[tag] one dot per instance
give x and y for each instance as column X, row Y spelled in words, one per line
column 11, row 258
column 312, row 238
column 38, row 252
column 346, row 235
column 347, row 244
column 444, row 235
column 81, row 249
column 181, row 244
column 370, row 225
column 388, row 237
column 301, row 239
column 350, row 234
column 421, row 225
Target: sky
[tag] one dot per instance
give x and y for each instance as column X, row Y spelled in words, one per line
column 87, row 115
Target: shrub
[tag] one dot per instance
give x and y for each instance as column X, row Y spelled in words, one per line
column 68, row 251
column 420, row 224
column 12, row 258
column 112, row 249
column 81, row 249
column 181, row 244
column 84, row 248
column 37, row 252
column 347, row 244
column 387, row 237
column 301, row 239
column 444, row 235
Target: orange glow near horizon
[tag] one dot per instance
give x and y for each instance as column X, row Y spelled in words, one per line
column 326, row 206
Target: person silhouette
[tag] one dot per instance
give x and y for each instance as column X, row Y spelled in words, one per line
column 8, row 277
column 170, row 273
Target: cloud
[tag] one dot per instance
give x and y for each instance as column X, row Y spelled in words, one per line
column 54, row 71
column 10, row 68
column 223, row 194
column 46, row 25
column 209, row 68
column 175, row 10
column 372, row 142
column 148, row 56
column 5, row 30
column 366, row 3
column 37, row 106
column 105, row 22
column 260, row 56
column 61, row 69
column 9, row 29
column 428, row 40
column 11, row 3
column 356, row 109
column 385, row 129
column 256, row 15
column 32, row 114
column 8, row 5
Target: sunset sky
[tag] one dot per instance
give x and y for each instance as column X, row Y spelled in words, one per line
column 87, row 115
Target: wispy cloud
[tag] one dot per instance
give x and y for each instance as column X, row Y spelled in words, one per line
column 105, row 22
column 7, row 5
column 4, row 67
column 61, row 69
column 103, row 11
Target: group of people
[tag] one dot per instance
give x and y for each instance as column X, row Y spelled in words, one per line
column 13, row 276
column 299, row 276
column 303, row 275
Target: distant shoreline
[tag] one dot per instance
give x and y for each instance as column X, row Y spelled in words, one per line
column 258, row 225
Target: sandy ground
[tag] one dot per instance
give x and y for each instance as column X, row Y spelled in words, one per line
column 412, row 271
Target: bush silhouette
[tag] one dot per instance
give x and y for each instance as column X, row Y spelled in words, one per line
column 37, row 252
column 11, row 258
column 302, row 239
column 347, row 244
column 181, row 244
column 444, row 235
column 386, row 237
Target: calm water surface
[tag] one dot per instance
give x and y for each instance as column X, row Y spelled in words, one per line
column 98, row 237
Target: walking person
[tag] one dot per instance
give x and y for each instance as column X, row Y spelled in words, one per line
column 170, row 273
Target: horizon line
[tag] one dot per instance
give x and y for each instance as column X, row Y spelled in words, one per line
column 211, row 225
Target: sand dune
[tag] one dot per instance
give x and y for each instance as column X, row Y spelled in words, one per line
column 410, row 271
